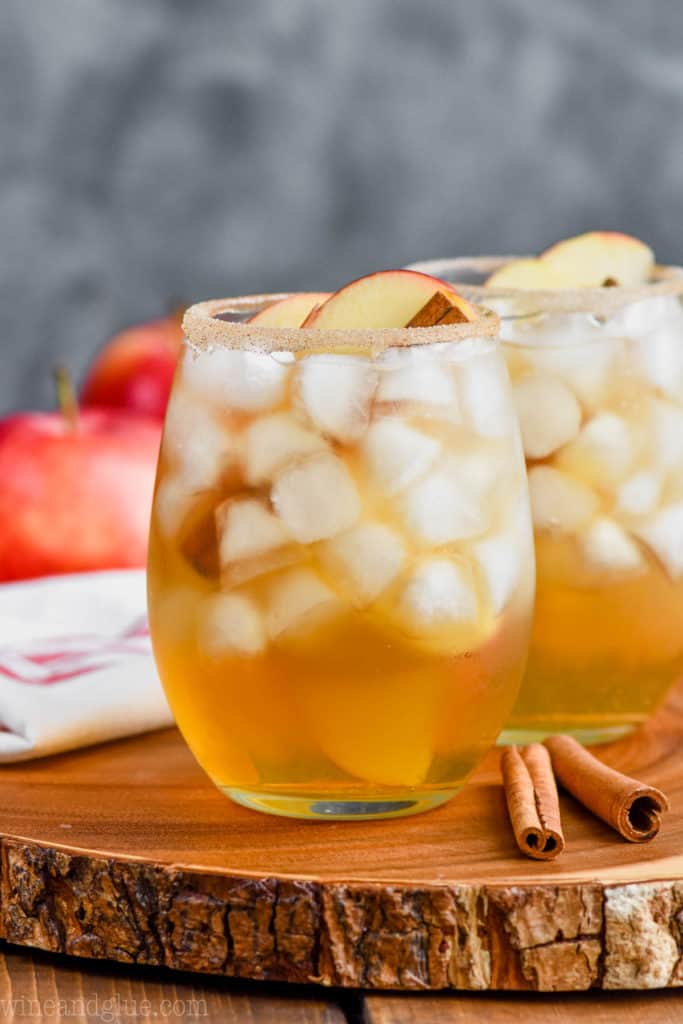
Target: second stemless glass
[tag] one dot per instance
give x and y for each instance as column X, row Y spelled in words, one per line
column 598, row 380
column 341, row 560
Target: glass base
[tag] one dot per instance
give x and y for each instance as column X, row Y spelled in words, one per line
column 314, row 808
column 588, row 734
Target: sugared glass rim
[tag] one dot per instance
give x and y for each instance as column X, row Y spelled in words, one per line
column 204, row 331
column 665, row 280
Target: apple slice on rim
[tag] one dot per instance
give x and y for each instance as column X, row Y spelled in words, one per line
column 390, row 298
column 527, row 273
column 600, row 257
column 289, row 312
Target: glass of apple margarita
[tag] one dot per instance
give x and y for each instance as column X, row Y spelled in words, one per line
column 597, row 378
column 341, row 557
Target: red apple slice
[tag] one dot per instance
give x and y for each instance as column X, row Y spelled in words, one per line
column 526, row 273
column 390, row 298
column 289, row 312
column 592, row 259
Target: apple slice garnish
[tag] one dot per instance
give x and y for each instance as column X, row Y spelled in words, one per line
column 526, row 273
column 289, row 312
column 390, row 298
column 591, row 260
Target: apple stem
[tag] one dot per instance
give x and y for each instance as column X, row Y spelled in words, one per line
column 66, row 396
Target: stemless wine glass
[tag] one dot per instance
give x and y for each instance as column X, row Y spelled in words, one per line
column 341, row 559
column 598, row 383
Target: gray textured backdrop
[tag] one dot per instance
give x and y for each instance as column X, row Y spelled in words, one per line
column 161, row 149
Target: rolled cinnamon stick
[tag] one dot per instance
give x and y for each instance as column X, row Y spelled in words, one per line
column 532, row 800
column 540, row 768
column 437, row 310
column 629, row 806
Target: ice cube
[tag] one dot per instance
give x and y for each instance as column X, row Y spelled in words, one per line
column 503, row 556
column 604, row 451
column 273, row 441
column 665, row 425
column 425, row 416
column 298, row 599
column 638, row 495
column 558, row 501
column 230, row 624
column 198, row 541
column 640, row 318
column 443, row 352
column 234, row 574
column 452, row 502
column 440, row 592
column 484, row 389
column 396, row 454
column 367, row 558
column 196, row 443
column 608, row 547
column 336, row 392
column 187, row 517
column 247, row 529
column 172, row 503
column 658, row 357
column 235, row 379
column 663, row 534
column 316, row 498
column 426, row 380
column 549, row 414
column 584, row 363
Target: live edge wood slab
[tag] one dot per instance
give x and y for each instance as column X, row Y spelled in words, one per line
column 126, row 852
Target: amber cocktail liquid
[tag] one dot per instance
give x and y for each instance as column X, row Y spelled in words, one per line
column 341, row 561
column 598, row 383
column 605, row 456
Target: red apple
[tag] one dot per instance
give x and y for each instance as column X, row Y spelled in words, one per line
column 135, row 369
column 76, row 495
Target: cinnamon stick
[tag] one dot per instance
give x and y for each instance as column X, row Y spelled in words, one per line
column 532, row 800
column 452, row 316
column 628, row 806
column 437, row 310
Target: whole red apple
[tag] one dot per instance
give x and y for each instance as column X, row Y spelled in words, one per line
column 76, row 492
column 135, row 368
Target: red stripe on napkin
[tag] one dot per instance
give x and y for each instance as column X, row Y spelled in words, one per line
column 55, row 661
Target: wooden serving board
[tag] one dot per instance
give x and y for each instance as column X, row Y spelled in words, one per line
column 127, row 852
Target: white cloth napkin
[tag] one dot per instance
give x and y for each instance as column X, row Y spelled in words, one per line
column 76, row 664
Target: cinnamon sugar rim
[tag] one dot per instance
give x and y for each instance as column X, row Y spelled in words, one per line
column 665, row 280
column 204, row 331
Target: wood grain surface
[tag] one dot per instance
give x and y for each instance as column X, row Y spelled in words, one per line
column 605, row 1008
column 36, row 987
column 126, row 852
column 58, row 990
